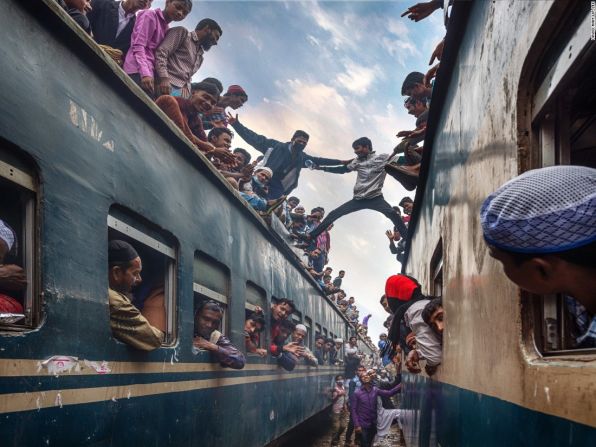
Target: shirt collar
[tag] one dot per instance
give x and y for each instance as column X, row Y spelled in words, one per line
column 123, row 14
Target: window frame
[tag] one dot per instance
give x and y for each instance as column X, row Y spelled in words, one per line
column 170, row 287
column 26, row 184
column 436, row 270
column 202, row 290
column 544, row 140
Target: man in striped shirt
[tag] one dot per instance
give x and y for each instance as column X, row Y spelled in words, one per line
column 180, row 56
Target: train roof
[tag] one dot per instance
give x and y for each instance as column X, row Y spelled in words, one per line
column 89, row 51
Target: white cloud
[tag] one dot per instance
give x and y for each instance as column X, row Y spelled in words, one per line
column 358, row 78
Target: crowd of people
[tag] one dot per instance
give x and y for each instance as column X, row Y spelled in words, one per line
column 162, row 60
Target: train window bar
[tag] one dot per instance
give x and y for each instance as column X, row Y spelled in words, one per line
column 168, row 268
column 308, row 324
column 20, row 213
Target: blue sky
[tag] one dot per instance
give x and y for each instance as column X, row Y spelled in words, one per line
column 333, row 69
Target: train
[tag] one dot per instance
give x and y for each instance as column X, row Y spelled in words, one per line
column 86, row 157
column 515, row 91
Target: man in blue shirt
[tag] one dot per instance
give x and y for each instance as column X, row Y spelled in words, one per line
column 284, row 159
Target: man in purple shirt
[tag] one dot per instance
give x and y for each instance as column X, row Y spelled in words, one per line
column 207, row 320
column 149, row 31
column 364, row 407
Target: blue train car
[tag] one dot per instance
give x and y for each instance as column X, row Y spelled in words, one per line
column 515, row 91
column 85, row 156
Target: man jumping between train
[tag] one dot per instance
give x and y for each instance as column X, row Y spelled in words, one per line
column 368, row 194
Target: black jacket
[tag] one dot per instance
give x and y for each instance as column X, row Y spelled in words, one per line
column 278, row 157
column 104, row 25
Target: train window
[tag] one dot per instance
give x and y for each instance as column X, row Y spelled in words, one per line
column 211, row 281
column 318, row 330
column 155, row 297
column 563, row 123
column 20, row 303
column 296, row 317
column 325, row 332
column 256, row 297
column 436, row 270
column 308, row 340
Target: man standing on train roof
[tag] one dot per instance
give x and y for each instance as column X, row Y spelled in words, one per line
column 207, row 321
column 368, row 193
column 112, row 21
column 127, row 323
column 284, row 159
column 180, row 55
column 542, row 227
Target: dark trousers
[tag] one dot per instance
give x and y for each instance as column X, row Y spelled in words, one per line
column 350, row 430
column 351, row 206
column 367, row 436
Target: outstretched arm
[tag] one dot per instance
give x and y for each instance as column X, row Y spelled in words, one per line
column 259, row 142
column 335, row 169
column 321, row 161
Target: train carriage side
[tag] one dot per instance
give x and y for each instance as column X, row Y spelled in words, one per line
column 505, row 64
column 98, row 160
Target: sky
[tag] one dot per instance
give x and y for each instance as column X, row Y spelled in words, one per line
column 335, row 70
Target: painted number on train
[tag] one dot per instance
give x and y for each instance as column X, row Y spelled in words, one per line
column 82, row 119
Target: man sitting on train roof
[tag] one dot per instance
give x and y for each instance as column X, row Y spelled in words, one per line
column 542, row 227
column 126, row 321
column 234, row 98
column 207, row 322
column 414, row 86
column 287, row 354
column 285, row 159
column 185, row 114
column 112, row 22
column 298, row 335
column 254, row 192
column 12, row 277
column 425, row 321
column 149, row 31
column 368, row 193
column 180, row 55
column 243, row 169
column 253, row 326
column 77, row 10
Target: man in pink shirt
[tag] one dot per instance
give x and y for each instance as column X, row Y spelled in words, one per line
column 149, row 31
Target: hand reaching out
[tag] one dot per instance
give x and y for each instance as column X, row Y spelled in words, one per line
column 231, row 118
column 422, row 10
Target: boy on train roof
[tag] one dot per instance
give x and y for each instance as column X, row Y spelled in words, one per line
column 368, row 190
column 148, row 32
column 127, row 323
column 542, row 227
column 207, row 336
column 185, row 115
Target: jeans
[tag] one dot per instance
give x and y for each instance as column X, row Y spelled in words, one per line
column 351, row 206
